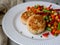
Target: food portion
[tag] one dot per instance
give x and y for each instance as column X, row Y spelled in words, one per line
column 26, row 15
column 36, row 24
column 41, row 18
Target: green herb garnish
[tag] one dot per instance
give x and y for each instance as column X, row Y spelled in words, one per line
column 46, row 17
column 36, row 6
column 59, row 26
column 46, row 11
column 48, row 28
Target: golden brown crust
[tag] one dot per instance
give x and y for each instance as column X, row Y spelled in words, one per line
column 25, row 16
column 36, row 24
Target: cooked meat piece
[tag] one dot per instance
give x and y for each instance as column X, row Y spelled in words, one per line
column 25, row 16
column 36, row 24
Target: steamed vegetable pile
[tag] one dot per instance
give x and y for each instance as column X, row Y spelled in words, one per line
column 50, row 15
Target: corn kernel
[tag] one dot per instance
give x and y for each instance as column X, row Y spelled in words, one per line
column 50, row 19
column 44, row 16
column 52, row 27
column 53, row 11
column 56, row 17
column 49, row 25
column 55, row 27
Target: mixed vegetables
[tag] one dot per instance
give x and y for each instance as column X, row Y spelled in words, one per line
column 51, row 16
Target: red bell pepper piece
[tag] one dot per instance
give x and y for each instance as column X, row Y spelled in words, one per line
column 53, row 16
column 53, row 31
column 46, row 34
column 49, row 7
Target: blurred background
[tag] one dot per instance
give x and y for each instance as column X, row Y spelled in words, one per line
column 5, row 5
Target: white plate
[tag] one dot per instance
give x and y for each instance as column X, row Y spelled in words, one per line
column 12, row 26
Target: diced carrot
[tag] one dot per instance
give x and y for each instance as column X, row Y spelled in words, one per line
column 55, row 23
column 53, row 31
column 57, row 32
column 53, row 16
column 38, row 8
column 34, row 11
column 55, row 27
